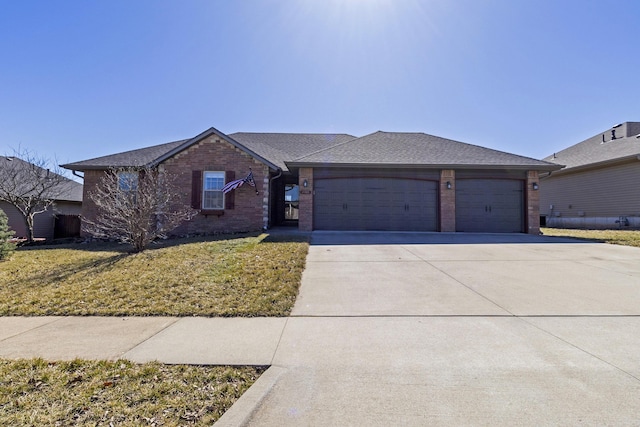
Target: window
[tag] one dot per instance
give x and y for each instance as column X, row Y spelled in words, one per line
column 291, row 201
column 212, row 196
column 128, row 181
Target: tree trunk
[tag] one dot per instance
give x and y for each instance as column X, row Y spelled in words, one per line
column 28, row 220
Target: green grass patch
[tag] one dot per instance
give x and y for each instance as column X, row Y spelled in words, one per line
column 616, row 237
column 35, row 392
column 239, row 276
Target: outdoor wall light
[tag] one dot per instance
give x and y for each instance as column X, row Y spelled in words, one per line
column 448, row 185
column 305, row 183
column 534, row 185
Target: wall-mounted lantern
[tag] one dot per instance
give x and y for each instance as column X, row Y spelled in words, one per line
column 448, row 185
column 305, row 183
column 534, row 185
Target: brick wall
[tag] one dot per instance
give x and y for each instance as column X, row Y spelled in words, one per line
column 214, row 154
column 91, row 180
column 447, row 201
column 305, row 212
column 533, row 203
column 249, row 213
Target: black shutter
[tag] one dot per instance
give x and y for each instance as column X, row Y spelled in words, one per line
column 230, row 197
column 196, row 190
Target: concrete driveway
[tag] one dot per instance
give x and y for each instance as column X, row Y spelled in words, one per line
column 453, row 329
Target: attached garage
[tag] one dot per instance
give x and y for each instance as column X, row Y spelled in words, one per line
column 395, row 181
column 376, row 203
column 490, row 205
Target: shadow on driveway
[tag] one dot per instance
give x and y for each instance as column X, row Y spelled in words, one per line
column 393, row 238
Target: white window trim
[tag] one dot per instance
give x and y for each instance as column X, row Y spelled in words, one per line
column 204, row 189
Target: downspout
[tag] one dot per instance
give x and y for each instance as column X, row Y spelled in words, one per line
column 75, row 173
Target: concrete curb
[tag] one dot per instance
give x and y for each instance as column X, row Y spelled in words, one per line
column 241, row 412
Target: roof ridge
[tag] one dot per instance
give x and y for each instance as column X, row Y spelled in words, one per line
column 205, row 134
column 328, row 148
column 293, row 133
column 459, row 142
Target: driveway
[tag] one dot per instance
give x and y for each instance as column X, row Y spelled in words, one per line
column 454, row 329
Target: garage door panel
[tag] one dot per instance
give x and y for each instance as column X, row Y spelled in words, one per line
column 375, row 204
column 490, row 205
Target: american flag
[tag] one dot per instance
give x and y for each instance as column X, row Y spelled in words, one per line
column 232, row 185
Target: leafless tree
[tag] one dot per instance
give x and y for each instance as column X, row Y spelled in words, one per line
column 31, row 184
column 136, row 206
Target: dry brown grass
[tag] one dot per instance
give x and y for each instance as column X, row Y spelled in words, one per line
column 616, row 237
column 239, row 276
column 39, row 393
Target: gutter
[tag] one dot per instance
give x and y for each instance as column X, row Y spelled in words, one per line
column 547, row 167
column 619, row 160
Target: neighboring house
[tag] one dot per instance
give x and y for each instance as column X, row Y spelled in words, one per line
column 382, row 181
column 60, row 220
column 598, row 187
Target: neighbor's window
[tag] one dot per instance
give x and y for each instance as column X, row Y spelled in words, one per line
column 212, row 197
column 128, row 181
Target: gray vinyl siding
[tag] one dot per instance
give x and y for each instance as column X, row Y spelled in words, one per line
column 16, row 223
column 608, row 192
column 68, row 208
column 42, row 227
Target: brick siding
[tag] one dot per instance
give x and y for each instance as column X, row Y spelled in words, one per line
column 305, row 212
column 91, row 180
column 215, row 154
column 447, row 201
column 533, row 203
column 210, row 154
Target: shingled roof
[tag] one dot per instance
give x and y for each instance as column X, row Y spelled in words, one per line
column 140, row 157
column 285, row 150
column 272, row 148
column 65, row 190
column 284, row 147
column 417, row 149
column 601, row 148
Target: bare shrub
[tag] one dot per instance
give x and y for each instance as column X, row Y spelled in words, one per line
column 136, row 206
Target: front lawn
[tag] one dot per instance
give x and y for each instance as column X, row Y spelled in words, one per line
column 616, row 237
column 39, row 393
column 233, row 276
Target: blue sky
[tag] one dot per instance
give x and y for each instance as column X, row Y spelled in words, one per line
column 81, row 79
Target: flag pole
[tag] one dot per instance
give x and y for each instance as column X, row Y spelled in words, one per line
column 254, row 181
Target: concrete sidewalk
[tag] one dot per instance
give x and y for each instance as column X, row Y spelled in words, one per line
column 189, row 340
column 409, row 329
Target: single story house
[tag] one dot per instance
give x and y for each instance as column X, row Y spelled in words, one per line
column 597, row 188
column 382, row 181
column 60, row 220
